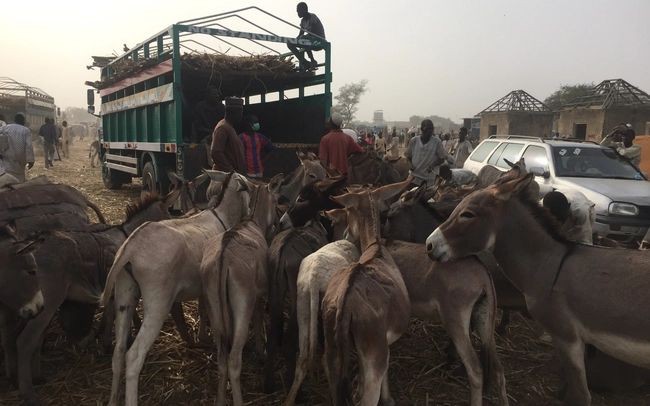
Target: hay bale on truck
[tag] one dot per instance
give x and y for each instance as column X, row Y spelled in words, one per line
column 162, row 98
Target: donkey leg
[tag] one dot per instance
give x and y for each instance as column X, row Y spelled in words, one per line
column 123, row 304
column 242, row 307
column 302, row 363
column 386, row 398
column 502, row 328
column 8, row 331
column 456, row 321
column 204, row 337
column 485, row 326
column 373, row 359
column 571, row 354
column 106, row 326
column 212, row 309
column 29, row 339
column 274, row 336
column 155, row 312
column 181, row 324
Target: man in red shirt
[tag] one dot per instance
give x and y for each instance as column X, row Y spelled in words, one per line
column 336, row 146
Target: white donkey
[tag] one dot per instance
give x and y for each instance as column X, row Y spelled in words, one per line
column 315, row 273
column 161, row 262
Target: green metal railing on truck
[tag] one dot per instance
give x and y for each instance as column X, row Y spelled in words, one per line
column 144, row 105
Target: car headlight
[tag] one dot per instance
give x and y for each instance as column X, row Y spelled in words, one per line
column 623, row 209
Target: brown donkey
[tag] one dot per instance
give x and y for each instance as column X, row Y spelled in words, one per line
column 365, row 304
column 233, row 272
column 580, row 294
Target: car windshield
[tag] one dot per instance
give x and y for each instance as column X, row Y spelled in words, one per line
column 582, row 162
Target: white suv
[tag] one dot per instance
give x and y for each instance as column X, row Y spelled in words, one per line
column 620, row 192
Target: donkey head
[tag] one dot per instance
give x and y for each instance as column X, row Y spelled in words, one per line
column 234, row 196
column 473, row 225
column 19, row 285
column 339, row 219
column 311, row 167
column 150, row 207
column 312, row 199
column 363, row 208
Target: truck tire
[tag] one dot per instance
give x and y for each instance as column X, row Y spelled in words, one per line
column 149, row 182
column 112, row 179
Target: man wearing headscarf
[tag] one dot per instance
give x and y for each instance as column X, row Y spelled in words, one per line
column 622, row 140
column 227, row 150
column 336, row 146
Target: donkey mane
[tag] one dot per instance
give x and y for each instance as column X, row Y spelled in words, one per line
column 544, row 218
column 222, row 192
column 144, row 203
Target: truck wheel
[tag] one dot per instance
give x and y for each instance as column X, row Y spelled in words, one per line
column 149, row 183
column 112, row 179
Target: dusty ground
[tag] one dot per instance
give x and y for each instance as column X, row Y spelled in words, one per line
column 175, row 374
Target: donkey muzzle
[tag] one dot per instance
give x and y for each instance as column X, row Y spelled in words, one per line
column 437, row 247
column 33, row 307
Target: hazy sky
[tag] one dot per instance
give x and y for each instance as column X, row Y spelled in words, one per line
column 450, row 58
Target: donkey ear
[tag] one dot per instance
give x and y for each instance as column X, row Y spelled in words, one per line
column 510, row 164
column 28, row 246
column 336, row 215
column 10, row 229
column 275, row 183
column 301, row 155
column 347, row 200
column 386, row 192
column 506, row 190
column 172, row 196
column 215, row 175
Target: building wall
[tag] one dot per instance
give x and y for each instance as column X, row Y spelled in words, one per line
column 531, row 124
column 499, row 119
column 638, row 117
column 592, row 117
column 517, row 123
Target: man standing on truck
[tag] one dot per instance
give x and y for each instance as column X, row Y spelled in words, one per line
column 16, row 148
column 256, row 147
column 310, row 29
column 425, row 154
column 336, row 146
column 227, row 150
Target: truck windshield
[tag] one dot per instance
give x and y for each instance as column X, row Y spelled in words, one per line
column 583, row 162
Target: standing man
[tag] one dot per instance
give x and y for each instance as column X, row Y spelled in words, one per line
column 622, row 140
column 463, row 149
column 310, row 29
column 227, row 150
column 256, row 147
column 336, row 146
column 49, row 134
column 380, row 145
column 2, row 121
column 16, row 148
column 65, row 139
column 425, row 154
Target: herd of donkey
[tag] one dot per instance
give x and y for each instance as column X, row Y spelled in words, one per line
column 344, row 261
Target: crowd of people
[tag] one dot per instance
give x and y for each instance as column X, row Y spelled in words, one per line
column 17, row 151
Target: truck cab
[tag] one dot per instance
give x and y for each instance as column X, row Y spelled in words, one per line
column 150, row 96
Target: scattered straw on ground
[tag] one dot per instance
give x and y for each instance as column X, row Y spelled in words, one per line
column 177, row 375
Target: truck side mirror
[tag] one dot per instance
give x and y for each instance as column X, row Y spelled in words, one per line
column 91, row 109
column 90, row 96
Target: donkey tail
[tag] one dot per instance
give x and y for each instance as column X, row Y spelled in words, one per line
column 224, row 325
column 339, row 372
column 97, row 211
column 486, row 328
column 314, row 304
column 122, row 258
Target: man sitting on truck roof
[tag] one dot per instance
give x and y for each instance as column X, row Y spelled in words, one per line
column 310, row 29
column 227, row 150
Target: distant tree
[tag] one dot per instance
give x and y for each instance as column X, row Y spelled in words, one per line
column 566, row 94
column 348, row 100
column 78, row 115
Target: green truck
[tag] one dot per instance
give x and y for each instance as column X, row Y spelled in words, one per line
column 150, row 96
